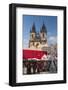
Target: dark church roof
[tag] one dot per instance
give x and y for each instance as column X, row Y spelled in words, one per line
column 43, row 29
column 33, row 28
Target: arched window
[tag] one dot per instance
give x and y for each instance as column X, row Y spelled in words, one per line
column 32, row 36
column 43, row 35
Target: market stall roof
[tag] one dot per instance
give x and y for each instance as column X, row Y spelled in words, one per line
column 33, row 54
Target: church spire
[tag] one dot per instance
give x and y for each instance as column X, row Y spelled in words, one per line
column 33, row 28
column 43, row 29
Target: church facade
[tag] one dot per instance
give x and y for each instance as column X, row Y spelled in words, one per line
column 38, row 40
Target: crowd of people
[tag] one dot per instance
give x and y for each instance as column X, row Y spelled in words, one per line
column 35, row 67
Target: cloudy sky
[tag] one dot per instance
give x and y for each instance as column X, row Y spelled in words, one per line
column 50, row 23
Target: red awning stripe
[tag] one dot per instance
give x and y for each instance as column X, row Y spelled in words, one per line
column 33, row 54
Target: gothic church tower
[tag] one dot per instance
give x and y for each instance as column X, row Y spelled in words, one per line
column 43, row 35
column 38, row 40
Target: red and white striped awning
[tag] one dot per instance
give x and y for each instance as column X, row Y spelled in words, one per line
column 34, row 54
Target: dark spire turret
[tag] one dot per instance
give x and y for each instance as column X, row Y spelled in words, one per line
column 33, row 28
column 43, row 29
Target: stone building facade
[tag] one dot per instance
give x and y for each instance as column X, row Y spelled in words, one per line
column 38, row 39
